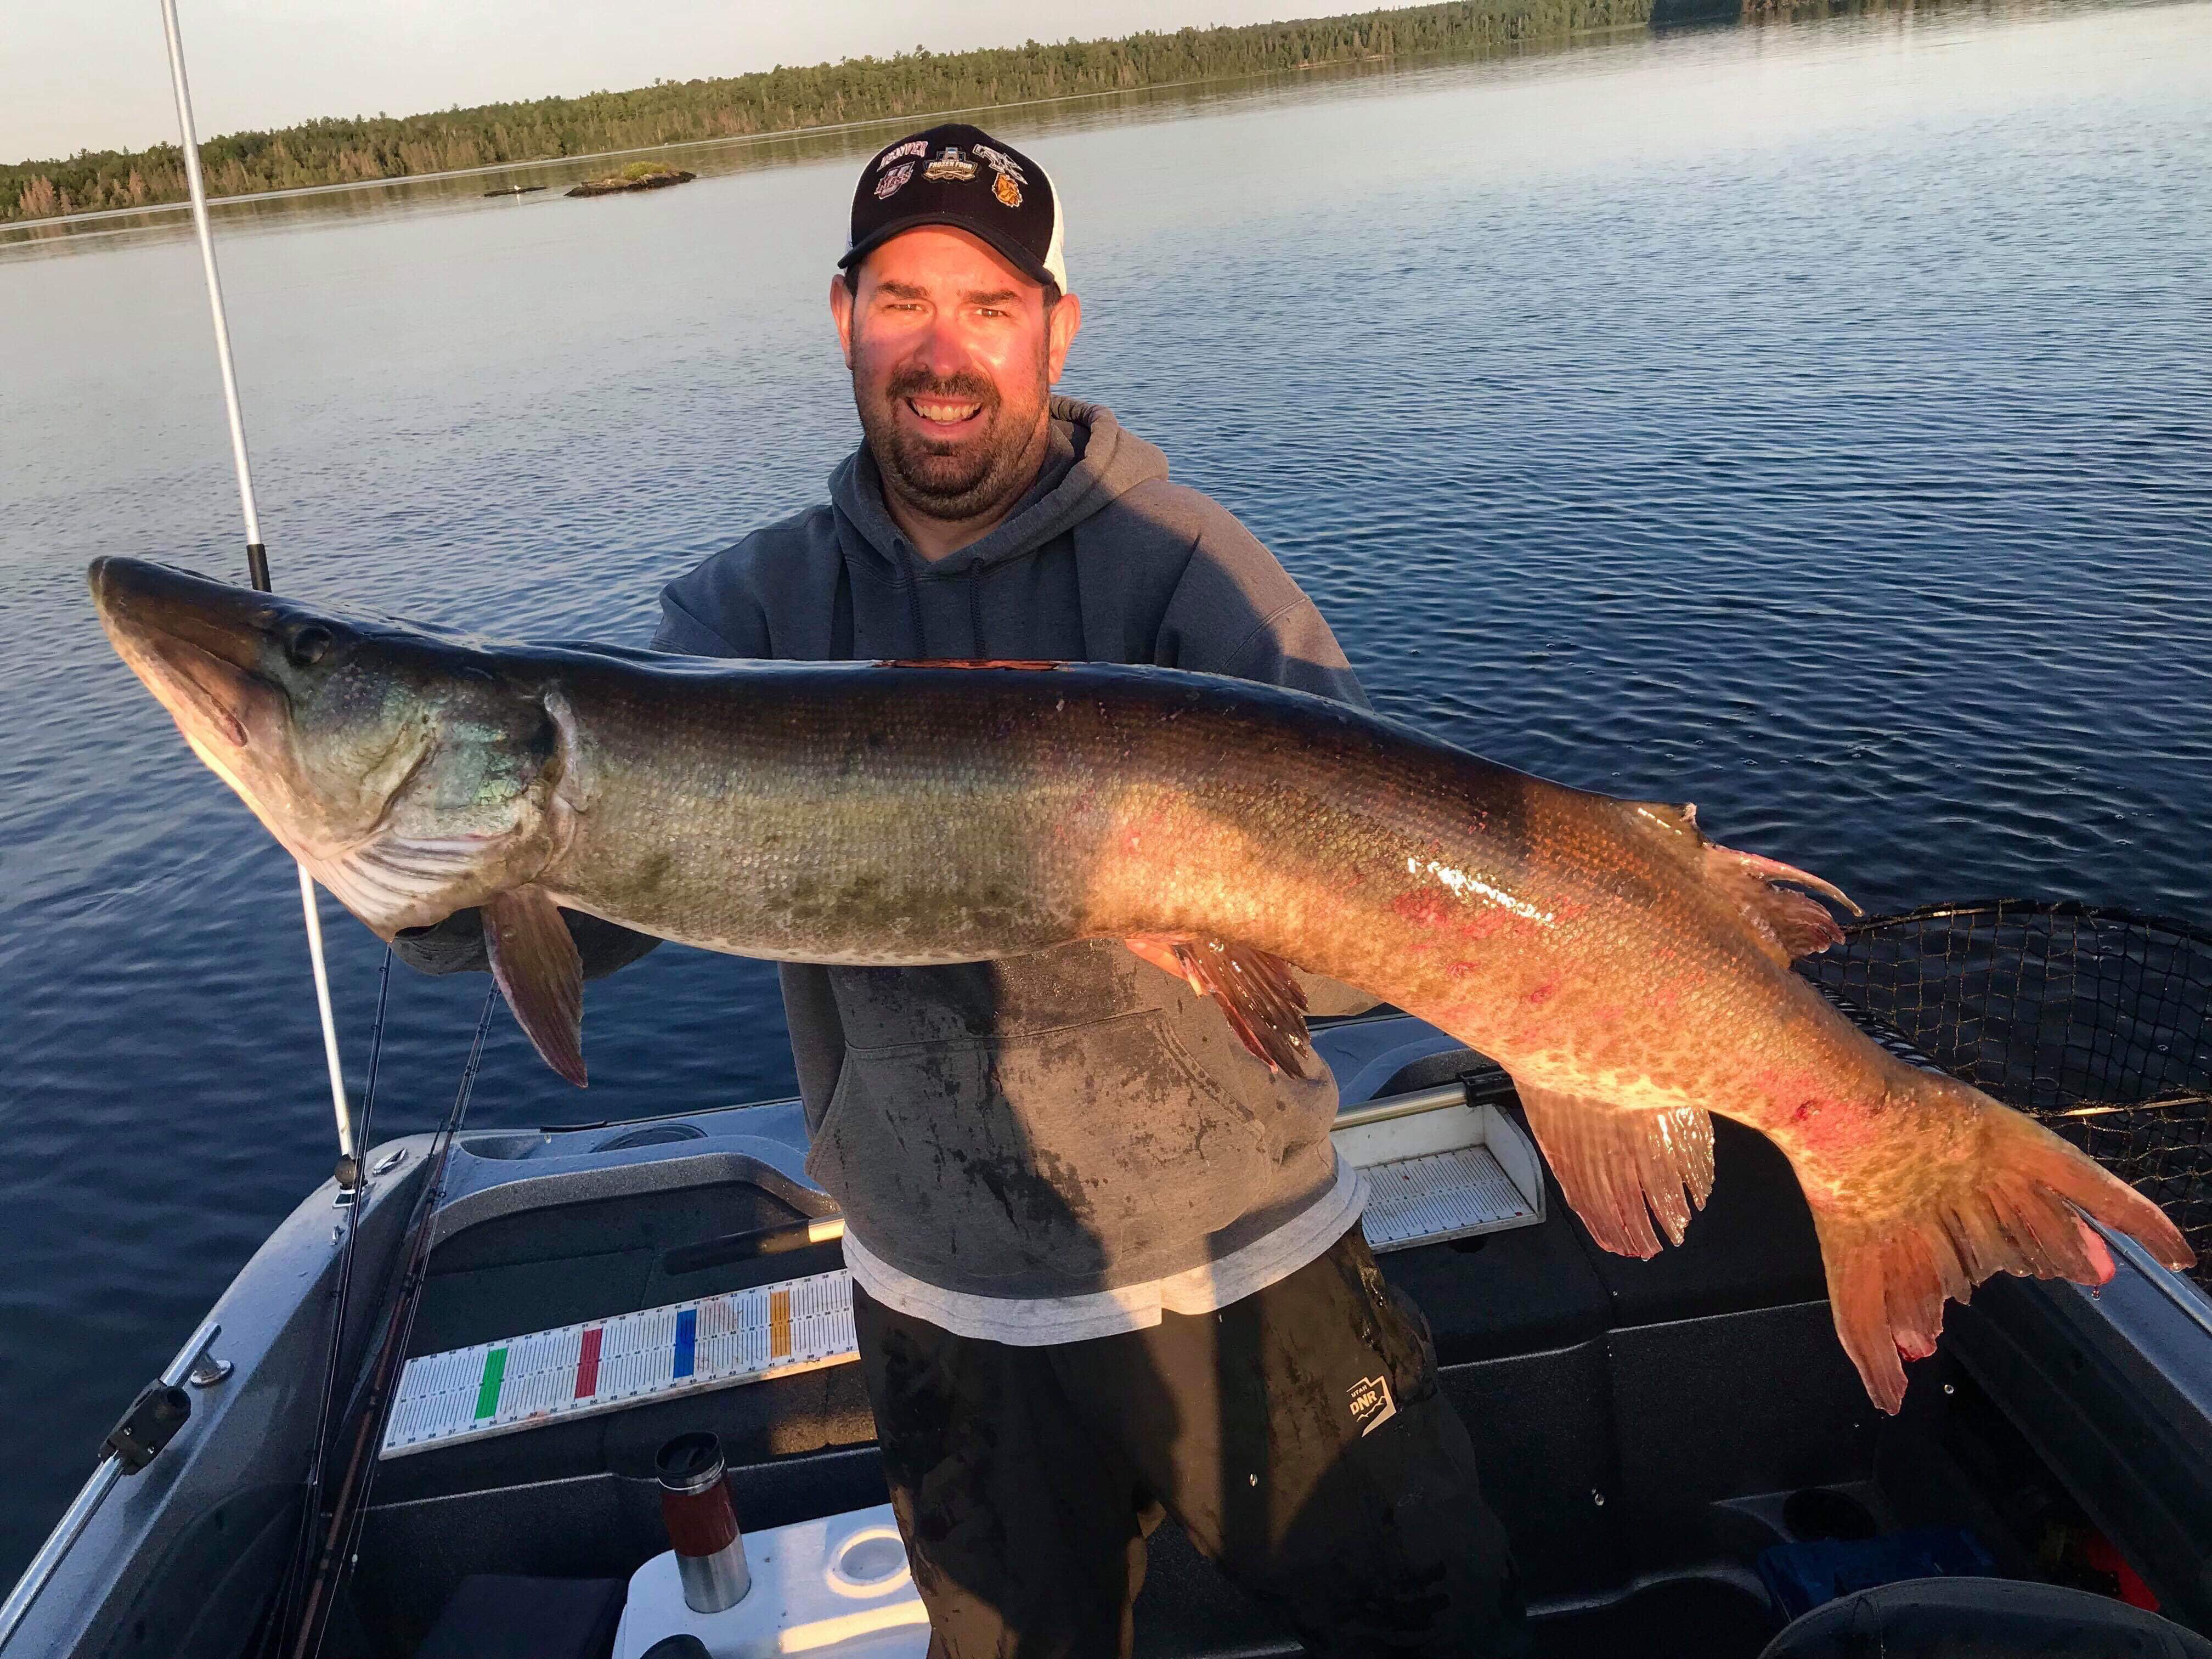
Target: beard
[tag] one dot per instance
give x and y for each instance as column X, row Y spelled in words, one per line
column 960, row 478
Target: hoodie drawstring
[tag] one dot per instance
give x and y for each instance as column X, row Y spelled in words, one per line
column 906, row 582
column 975, row 610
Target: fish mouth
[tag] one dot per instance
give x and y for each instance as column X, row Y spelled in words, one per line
column 197, row 644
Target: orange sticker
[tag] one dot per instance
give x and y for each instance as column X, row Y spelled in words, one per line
column 779, row 1325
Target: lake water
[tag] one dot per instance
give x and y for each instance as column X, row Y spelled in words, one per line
column 1811, row 420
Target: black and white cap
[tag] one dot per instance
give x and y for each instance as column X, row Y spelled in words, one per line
column 961, row 176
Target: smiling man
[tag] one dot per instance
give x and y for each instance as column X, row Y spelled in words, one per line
column 1107, row 1264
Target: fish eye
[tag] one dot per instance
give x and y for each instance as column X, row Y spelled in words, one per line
column 307, row 645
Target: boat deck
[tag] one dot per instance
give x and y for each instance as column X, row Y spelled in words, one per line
column 1645, row 1429
column 1641, row 1425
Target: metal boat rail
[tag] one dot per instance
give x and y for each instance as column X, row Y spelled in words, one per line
column 124, row 1453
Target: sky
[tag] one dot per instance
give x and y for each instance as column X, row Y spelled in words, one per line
column 92, row 74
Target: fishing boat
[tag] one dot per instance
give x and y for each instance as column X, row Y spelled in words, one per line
column 1679, row 1450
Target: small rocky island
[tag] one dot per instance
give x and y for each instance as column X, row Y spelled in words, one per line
column 638, row 175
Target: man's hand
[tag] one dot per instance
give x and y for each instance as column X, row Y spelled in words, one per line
column 1331, row 998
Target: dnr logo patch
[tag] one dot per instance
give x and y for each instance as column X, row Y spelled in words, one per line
column 1372, row 1404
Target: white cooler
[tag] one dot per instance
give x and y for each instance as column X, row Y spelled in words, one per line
column 838, row 1586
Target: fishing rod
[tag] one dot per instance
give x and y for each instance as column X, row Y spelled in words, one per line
column 352, row 1177
column 257, row 558
column 342, row 1525
column 303, row 1546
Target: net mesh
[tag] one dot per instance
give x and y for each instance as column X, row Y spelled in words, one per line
column 2095, row 1022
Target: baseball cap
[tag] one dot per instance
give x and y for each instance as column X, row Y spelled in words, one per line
column 958, row 175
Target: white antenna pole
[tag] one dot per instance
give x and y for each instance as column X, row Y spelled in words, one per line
column 256, row 556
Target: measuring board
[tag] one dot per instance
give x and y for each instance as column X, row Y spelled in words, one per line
column 604, row 1365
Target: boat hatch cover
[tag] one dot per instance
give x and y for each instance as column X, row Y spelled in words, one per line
column 1438, row 1168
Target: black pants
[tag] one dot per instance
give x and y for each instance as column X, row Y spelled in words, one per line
column 1299, row 1436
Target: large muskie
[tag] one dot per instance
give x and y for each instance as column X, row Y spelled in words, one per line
column 1631, row 975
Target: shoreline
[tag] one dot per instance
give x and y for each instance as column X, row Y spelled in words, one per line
column 23, row 228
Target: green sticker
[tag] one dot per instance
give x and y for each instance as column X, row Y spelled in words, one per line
column 495, row 1372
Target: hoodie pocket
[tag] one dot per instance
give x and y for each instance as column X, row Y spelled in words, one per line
column 1050, row 1162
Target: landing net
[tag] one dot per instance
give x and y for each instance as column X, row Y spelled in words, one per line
column 2095, row 1022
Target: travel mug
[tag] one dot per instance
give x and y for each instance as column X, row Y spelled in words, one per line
column 703, row 1524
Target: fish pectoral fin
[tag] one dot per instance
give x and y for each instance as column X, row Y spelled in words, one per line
column 1257, row 992
column 534, row 960
column 1619, row 1168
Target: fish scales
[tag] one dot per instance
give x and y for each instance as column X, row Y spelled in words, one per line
column 1631, row 975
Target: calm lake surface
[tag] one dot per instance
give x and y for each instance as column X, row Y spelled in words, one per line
column 1809, row 420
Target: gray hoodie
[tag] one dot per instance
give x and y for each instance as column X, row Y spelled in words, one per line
column 1071, row 1121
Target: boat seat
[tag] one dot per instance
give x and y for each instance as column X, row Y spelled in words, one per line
column 1549, row 1286
column 1983, row 1619
column 501, row 1616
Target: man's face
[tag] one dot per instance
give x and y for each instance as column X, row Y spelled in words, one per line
column 953, row 356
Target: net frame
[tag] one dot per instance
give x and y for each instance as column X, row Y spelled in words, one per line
column 2094, row 1021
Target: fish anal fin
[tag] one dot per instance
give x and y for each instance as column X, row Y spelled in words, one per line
column 1259, row 995
column 534, row 960
column 2012, row 1201
column 968, row 662
column 1619, row 1168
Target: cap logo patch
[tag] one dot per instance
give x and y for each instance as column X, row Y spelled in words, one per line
column 1007, row 189
column 949, row 165
column 894, row 181
column 1001, row 163
column 912, row 147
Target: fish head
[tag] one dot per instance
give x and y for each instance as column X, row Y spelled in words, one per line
column 407, row 770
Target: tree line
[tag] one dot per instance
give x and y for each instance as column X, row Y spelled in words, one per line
column 348, row 150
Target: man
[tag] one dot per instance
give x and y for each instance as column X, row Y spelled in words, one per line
column 1105, row 1262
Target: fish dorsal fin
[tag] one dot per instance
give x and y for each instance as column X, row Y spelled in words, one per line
column 1786, row 924
column 1618, row 1169
column 967, row 662
column 1681, row 820
column 1791, row 924
column 1257, row 993
column 534, row 959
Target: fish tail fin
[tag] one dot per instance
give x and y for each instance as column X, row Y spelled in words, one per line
column 2015, row 1205
column 1622, row 1169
